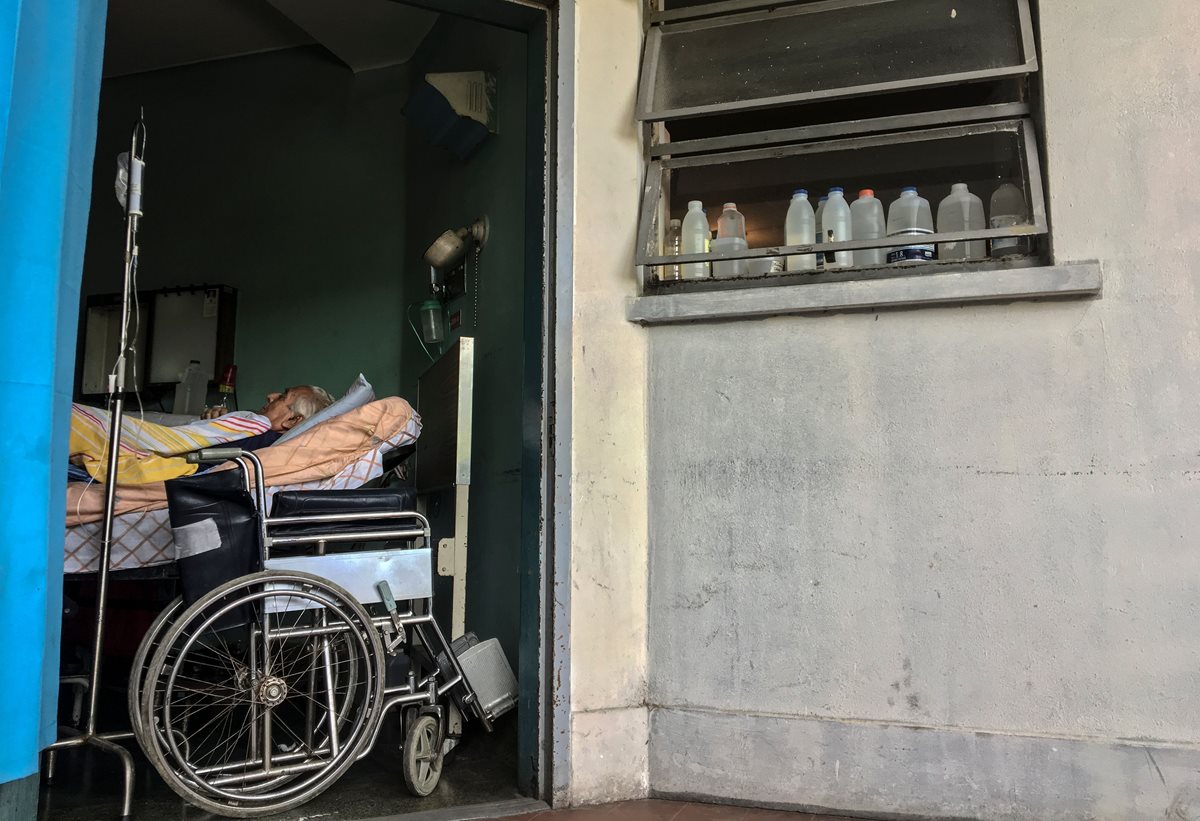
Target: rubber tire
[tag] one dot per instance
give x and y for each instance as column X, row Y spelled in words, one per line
column 219, row 805
column 417, row 731
column 137, row 672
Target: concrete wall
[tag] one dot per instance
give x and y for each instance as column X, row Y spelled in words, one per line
column 608, row 415
column 280, row 174
column 942, row 561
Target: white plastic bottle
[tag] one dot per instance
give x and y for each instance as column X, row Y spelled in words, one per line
column 961, row 211
column 191, row 391
column 817, row 216
column 800, row 228
column 694, row 239
column 835, row 222
column 867, row 222
column 731, row 236
column 1008, row 208
column 910, row 216
column 673, row 247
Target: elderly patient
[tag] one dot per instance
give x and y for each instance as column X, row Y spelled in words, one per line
column 155, row 453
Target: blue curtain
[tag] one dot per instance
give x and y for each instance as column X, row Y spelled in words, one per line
column 50, row 59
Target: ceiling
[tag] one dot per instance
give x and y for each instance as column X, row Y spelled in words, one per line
column 147, row 35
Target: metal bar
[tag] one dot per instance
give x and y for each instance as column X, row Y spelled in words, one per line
column 458, row 591
column 326, row 518
column 650, row 52
column 698, row 18
column 837, row 93
column 266, row 671
column 651, row 190
column 287, row 769
column 1028, row 42
column 282, row 758
column 924, row 135
column 110, row 501
column 80, row 740
column 1033, row 170
column 330, row 705
column 126, row 768
column 1007, row 111
column 363, row 536
column 851, row 245
column 253, row 701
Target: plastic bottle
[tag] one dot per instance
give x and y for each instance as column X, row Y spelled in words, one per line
column 695, row 236
column 867, row 222
column 731, row 223
column 910, row 216
column 837, row 227
column 672, row 246
column 731, row 236
column 961, row 211
column 192, row 390
column 1008, row 208
column 800, row 228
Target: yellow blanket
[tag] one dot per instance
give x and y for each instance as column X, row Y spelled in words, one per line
column 150, row 452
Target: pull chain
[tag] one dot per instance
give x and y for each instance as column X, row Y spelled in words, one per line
column 476, row 289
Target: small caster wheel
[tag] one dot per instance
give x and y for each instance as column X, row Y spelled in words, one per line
column 422, row 755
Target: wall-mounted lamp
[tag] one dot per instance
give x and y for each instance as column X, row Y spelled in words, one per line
column 447, row 275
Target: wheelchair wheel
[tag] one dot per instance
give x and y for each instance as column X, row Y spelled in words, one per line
column 137, row 673
column 422, row 764
column 264, row 692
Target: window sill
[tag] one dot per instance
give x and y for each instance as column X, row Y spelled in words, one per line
column 1073, row 280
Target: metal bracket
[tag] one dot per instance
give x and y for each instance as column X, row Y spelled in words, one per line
column 445, row 557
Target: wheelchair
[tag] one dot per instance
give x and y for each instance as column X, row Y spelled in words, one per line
column 258, row 694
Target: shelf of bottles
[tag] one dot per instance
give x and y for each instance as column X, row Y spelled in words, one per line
column 899, row 202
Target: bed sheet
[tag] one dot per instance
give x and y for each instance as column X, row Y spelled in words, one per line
column 143, row 538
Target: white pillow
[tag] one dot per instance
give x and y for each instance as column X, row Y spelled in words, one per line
column 358, row 394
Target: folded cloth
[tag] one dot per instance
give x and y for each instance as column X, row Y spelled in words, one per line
column 316, row 454
column 150, row 452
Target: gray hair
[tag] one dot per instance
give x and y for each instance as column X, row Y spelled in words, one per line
column 310, row 401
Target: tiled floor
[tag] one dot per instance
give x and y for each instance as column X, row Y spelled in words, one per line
column 654, row 810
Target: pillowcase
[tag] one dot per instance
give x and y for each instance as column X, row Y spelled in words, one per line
column 358, row 394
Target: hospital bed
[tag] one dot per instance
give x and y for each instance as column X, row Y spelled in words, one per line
column 296, row 662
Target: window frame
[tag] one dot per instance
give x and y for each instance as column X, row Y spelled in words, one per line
column 651, row 205
column 737, row 12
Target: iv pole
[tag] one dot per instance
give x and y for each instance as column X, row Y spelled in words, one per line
column 116, row 393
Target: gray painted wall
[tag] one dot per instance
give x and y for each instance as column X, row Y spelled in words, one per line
column 280, row 174
column 943, row 561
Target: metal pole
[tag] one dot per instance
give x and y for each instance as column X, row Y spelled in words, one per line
column 116, row 392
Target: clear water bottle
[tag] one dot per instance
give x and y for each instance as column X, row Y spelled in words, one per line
column 867, row 222
column 837, row 227
column 910, row 216
column 820, row 212
column 800, row 228
column 694, row 238
column 731, row 223
column 1008, row 209
column 961, row 211
column 673, row 247
column 731, row 237
column 192, row 390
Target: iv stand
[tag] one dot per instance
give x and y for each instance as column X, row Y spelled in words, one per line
column 116, row 392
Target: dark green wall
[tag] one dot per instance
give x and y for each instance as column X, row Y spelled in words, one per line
column 281, row 174
column 302, row 185
column 444, row 192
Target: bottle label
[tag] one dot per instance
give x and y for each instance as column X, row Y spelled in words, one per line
column 912, row 253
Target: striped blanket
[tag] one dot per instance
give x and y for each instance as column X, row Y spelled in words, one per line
column 150, row 452
column 318, row 454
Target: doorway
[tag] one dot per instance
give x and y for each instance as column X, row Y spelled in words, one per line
column 291, row 175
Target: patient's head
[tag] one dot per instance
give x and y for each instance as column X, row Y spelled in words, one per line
column 289, row 408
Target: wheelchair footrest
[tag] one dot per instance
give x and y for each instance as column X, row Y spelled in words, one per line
column 488, row 673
